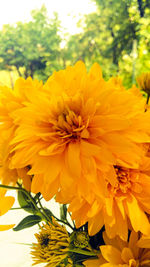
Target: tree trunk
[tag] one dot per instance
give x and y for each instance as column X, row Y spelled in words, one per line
column 19, row 72
column 141, row 9
column 114, row 52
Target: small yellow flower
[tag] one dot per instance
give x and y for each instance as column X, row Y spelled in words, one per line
column 120, row 253
column 144, row 82
column 53, row 245
column 6, row 203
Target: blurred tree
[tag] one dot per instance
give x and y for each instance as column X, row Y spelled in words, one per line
column 113, row 36
column 34, row 46
column 117, row 36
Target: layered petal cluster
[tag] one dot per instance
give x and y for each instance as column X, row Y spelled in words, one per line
column 6, row 202
column 11, row 100
column 84, row 139
column 52, row 246
column 124, row 204
column 118, row 253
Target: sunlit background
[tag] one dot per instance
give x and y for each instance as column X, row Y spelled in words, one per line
column 69, row 11
column 114, row 33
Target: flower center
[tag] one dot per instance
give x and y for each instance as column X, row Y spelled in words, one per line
column 144, row 258
column 44, row 240
column 123, row 181
column 70, row 125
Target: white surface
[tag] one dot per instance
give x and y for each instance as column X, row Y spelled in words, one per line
column 13, row 254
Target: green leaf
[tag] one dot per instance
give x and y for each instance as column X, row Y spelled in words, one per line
column 28, row 222
column 63, row 212
column 25, row 202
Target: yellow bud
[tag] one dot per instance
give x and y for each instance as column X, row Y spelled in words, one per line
column 144, row 82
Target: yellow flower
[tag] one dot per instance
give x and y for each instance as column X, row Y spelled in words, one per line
column 11, row 100
column 6, row 202
column 144, row 82
column 9, row 176
column 119, row 205
column 117, row 253
column 53, row 245
column 75, row 128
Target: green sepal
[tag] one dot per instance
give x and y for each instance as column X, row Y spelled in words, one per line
column 28, row 222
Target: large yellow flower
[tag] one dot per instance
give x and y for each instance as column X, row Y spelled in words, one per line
column 119, row 205
column 6, row 202
column 117, row 253
column 77, row 127
column 11, row 100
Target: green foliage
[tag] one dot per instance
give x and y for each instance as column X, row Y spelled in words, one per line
column 33, row 45
column 25, row 202
column 117, row 36
column 27, row 222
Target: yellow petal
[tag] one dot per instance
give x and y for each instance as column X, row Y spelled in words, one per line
column 95, row 224
column 6, row 227
column 111, row 254
column 127, row 255
column 95, row 71
column 138, row 218
column 73, row 159
column 144, row 242
column 2, row 192
column 94, row 263
column 5, row 204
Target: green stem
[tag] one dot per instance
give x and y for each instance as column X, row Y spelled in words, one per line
column 11, row 187
column 67, row 223
column 43, row 211
column 72, row 220
column 19, row 208
column 27, row 194
column 83, row 252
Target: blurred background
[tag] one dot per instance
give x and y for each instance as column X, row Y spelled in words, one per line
column 40, row 36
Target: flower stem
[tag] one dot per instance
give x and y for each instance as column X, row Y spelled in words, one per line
column 83, row 252
column 59, row 220
column 28, row 196
column 11, row 187
column 41, row 210
column 147, row 100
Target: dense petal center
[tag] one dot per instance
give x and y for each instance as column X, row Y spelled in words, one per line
column 70, row 125
column 123, row 183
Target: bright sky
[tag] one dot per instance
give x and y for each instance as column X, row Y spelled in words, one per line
column 69, row 11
